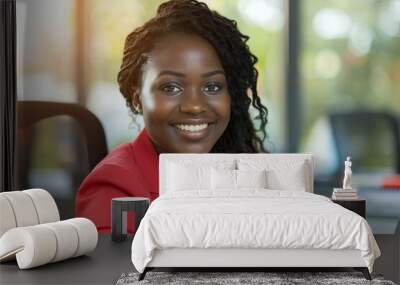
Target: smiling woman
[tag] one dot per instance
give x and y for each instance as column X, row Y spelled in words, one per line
column 191, row 75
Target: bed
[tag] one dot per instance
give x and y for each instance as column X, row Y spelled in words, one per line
column 247, row 210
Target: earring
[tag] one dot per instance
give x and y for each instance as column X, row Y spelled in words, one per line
column 138, row 108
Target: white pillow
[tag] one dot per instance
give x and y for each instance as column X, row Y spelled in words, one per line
column 293, row 180
column 229, row 179
column 223, row 179
column 181, row 177
column 284, row 174
column 251, row 178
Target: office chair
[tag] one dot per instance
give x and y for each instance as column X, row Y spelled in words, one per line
column 372, row 140
column 89, row 143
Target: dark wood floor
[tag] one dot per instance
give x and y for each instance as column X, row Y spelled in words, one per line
column 389, row 262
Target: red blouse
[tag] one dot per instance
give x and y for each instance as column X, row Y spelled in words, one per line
column 129, row 170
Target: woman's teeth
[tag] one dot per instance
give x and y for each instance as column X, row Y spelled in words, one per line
column 192, row 128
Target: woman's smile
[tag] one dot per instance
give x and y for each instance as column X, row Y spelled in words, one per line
column 193, row 131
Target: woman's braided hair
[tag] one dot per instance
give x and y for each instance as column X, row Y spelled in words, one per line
column 193, row 17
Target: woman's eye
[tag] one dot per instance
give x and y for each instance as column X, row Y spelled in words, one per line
column 170, row 88
column 212, row 88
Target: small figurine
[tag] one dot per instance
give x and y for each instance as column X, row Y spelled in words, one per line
column 347, row 174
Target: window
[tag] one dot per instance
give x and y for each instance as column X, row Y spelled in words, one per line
column 46, row 50
column 350, row 61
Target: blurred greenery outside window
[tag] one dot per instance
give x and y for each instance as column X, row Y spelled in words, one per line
column 350, row 60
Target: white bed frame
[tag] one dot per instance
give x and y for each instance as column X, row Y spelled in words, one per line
column 250, row 258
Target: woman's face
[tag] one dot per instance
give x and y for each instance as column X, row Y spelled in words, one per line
column 184, row 95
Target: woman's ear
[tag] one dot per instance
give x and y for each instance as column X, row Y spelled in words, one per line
column 137, row 101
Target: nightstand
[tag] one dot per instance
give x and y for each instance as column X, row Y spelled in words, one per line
column 119, row 209
column 358, row 206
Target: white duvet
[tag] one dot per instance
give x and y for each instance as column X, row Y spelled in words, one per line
column 253, row 218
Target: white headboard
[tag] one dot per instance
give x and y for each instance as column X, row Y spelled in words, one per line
column 209, row 158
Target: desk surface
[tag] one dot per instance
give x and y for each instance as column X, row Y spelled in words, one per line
column 104, row 265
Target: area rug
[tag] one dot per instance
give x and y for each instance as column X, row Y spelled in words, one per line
column 230, row 278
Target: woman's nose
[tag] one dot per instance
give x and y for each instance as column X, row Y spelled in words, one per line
column 193, row 101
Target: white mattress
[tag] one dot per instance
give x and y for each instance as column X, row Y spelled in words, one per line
column 253, row 218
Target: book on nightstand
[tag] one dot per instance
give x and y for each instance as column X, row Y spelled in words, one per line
column 344, row 194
